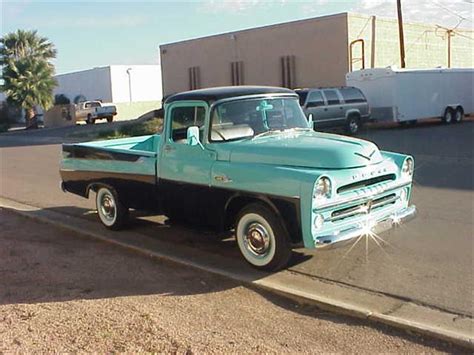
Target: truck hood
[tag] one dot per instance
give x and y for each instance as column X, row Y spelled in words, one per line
column 307, row 149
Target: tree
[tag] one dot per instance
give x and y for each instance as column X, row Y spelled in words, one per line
column 79, row 98
column 61, row 99
column 28, row 74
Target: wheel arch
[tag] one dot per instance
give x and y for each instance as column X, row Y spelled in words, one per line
column 281, row 206
column 353, row 112
column 95, row 186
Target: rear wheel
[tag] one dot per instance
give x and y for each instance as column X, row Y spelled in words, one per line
column 353, row 124
column 262, row 239
column 458, row 115
column 112, row 213
column 110, row 119
column 90, row 120
column 448, row 115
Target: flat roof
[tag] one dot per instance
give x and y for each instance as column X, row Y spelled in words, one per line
column 217, row 93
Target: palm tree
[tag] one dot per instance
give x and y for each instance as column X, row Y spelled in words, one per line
column 27, row 71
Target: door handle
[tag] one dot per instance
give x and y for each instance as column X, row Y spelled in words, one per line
column 325, row 109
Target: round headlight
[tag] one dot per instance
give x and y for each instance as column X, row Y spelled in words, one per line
column 407, row 168
column 322, row 189
column 318, row 221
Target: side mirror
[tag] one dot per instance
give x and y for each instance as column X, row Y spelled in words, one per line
column 193, row 136
column 310, row 120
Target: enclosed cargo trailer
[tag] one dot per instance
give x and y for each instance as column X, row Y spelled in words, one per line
column 409, row 95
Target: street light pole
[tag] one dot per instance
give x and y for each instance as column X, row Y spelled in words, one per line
column 400, row 34
column 129, row 72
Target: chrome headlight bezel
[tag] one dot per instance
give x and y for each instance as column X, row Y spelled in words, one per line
column 322, row 190
column 407, row 168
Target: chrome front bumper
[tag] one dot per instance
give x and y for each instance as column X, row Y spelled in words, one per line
column 379, row 226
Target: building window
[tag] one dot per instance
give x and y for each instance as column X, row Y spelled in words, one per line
column 288, row 70
column 237, row 73
column 194, row 78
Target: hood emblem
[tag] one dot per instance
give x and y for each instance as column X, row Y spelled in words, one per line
column 368, row 157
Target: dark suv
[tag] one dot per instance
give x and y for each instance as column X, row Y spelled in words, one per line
column 344, row 107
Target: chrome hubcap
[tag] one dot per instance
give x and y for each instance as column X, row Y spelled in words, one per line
column 107, row 207
column 449, row 117
column 257, row 239
column 458, row 116
column 353, row 126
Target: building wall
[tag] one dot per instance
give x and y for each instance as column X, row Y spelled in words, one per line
column 319, row 47
column 144, row 84
column 111, row 83
column 425, row 44
column 94, row 84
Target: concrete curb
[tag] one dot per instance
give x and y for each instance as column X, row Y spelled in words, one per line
column 276, row 283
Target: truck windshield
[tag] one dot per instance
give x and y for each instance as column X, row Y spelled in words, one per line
column 255, row 117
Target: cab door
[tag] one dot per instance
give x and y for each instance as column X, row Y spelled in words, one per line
column 335, row 114
column 183, row 169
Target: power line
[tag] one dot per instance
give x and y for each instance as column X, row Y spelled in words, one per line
column 452, row 12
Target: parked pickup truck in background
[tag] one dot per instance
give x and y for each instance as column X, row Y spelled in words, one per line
column 246, row 159
column 90, row 111
column 344, row 107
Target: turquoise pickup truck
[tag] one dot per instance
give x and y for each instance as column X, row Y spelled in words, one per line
column 245, row 159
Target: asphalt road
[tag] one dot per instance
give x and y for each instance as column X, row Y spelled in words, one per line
column 429, row 260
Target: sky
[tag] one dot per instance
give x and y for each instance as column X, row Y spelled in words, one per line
column 89, row 34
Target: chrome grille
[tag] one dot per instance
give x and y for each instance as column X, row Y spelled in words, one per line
column 363, row 208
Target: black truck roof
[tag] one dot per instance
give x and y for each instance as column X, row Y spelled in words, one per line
column 213, row 94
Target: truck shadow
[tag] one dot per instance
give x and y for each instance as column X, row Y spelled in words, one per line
column 41, row 264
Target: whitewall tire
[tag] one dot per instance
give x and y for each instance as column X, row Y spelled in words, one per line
column 110, row 210
column 262, row 240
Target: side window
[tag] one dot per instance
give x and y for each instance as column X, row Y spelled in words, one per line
column 315, row 99
column 352, row 95
column 302, row 95
column 87, row 105
column 184, row 117
column 331, row 96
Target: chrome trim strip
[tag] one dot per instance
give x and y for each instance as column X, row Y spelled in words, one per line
column 330, row 119
column 361, row 198
column 382, row 225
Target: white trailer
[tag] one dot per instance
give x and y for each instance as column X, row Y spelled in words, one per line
column 409, row 95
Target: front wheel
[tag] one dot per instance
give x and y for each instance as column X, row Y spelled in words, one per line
column 262, row 239
column 112, row 213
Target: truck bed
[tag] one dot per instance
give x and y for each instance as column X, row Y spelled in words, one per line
column 129, row 163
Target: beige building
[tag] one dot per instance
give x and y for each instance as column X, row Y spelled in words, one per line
column 308, row 53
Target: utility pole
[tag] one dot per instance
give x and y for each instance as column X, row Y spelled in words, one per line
column 450, row 33
column 129, row 72
column 400, row 34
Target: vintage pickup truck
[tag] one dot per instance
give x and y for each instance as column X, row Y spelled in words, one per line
column 244, row 159
column 90, row 111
